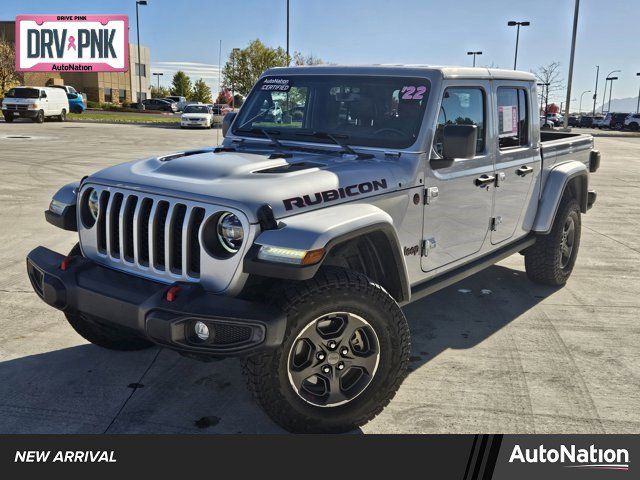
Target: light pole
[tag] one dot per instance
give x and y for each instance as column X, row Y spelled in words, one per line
column 610, row 90
column 607, row 78
column 139, row 2
column 234, row 53
column 638, row 105
column 288, row 33
column 474, row 56
column 546, row 99
column 580, row 108
column 573, row 53
column 595, row 92
column 158, row 75
column 513, row 23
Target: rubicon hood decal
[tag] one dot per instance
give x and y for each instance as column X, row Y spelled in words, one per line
column 335, row 194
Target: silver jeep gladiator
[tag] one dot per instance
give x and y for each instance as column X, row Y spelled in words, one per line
column 294, row 243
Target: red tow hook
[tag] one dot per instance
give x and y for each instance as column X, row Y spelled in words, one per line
column 172, row 293
column 66, row 261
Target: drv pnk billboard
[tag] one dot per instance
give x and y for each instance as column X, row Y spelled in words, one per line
column 72, row 43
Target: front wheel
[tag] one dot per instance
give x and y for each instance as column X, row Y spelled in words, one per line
column 344, row 356
column 550, row 260
column 39, row 118
column 8, row 117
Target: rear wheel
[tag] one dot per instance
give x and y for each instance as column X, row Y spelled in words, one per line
column 105, row 336
column 550, row 260
column 634, row 126
column 345, row 355
column 63, row 115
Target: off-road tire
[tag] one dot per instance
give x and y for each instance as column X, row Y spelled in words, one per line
column 112, row 338
column 332, row 289
column 543, row 259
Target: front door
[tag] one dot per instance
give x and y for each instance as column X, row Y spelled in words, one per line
column 517, row 159
column 459, row 193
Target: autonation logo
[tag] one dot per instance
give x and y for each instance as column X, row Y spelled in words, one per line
column 590, row 458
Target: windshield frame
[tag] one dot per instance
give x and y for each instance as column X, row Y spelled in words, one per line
column 299, row 136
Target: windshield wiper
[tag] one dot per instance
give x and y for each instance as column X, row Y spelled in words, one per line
column 267, row 133
column 335, row 138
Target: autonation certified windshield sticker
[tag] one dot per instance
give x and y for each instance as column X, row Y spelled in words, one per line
column 72, row 43
column 276, row 84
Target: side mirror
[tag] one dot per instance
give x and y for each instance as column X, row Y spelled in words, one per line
column 227, row 121
column 459, row 141
column 43, row 95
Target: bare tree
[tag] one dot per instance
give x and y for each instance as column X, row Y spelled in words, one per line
column 551, row 75
column 8, row 75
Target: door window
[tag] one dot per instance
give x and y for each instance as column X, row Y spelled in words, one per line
column 513, row 117
column 462, row 106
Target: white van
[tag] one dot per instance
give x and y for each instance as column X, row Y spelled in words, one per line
column 35, row 103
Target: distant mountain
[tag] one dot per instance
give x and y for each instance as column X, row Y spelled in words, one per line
column 620, row 105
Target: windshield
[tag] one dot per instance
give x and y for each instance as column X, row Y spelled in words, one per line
column 368, row 111
column 23, row 93
column 196, row 109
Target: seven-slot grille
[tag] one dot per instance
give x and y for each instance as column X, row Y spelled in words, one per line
column 150, row 233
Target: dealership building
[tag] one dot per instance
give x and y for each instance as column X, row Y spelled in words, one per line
column 110, row 87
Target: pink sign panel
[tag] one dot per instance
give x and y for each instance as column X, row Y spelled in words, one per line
column 72, row 43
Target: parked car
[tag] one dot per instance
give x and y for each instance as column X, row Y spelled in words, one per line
column 180, row 102
column 76, row 103
column 574, row 121
column 598, row 121
column 35, row 103
column 218, row 108
column 70, row 89
column 546, row 123
column 632, row 122
column 605, row 122
column 160, row 105
column 295, row 248
column 556, row 118
column 586, row 121
column 197, row 116
column 617, row 121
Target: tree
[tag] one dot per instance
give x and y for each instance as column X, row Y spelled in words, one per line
column 8, row 75
column 549, row 74
column 245, row 66
column 299, row 59
column 159, row 92
column 201, row 92
column 181, row 85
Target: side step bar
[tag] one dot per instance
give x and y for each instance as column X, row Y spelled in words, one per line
column 449, row 278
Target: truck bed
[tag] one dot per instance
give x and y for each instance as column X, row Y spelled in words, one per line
column 558, row 147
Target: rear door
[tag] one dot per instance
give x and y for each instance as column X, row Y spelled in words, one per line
column 456, row 220
column 517, row 158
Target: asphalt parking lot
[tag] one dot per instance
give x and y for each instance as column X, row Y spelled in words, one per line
column 518, row 358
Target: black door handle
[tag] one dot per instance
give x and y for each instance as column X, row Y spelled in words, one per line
column 483, row 180
column 524, row 171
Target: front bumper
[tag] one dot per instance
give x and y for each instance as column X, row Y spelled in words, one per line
column 197, row 123
column 21, row 113
column 140, row 306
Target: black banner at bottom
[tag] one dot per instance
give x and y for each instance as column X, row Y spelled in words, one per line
column 461, row 457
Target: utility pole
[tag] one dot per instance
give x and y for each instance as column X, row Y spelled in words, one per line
column 158, row 75
column 595, row 92
column 573, row 52
column 638, row 105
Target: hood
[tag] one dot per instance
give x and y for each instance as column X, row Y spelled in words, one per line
column 291, row 185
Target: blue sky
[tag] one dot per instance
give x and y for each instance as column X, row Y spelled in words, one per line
column 185, row 34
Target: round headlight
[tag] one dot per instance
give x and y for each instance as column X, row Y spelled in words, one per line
column 93, row 202
column 230, row 232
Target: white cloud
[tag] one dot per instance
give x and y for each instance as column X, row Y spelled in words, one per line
column 206, row 71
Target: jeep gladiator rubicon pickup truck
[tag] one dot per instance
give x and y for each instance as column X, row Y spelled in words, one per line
column 294, row 244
